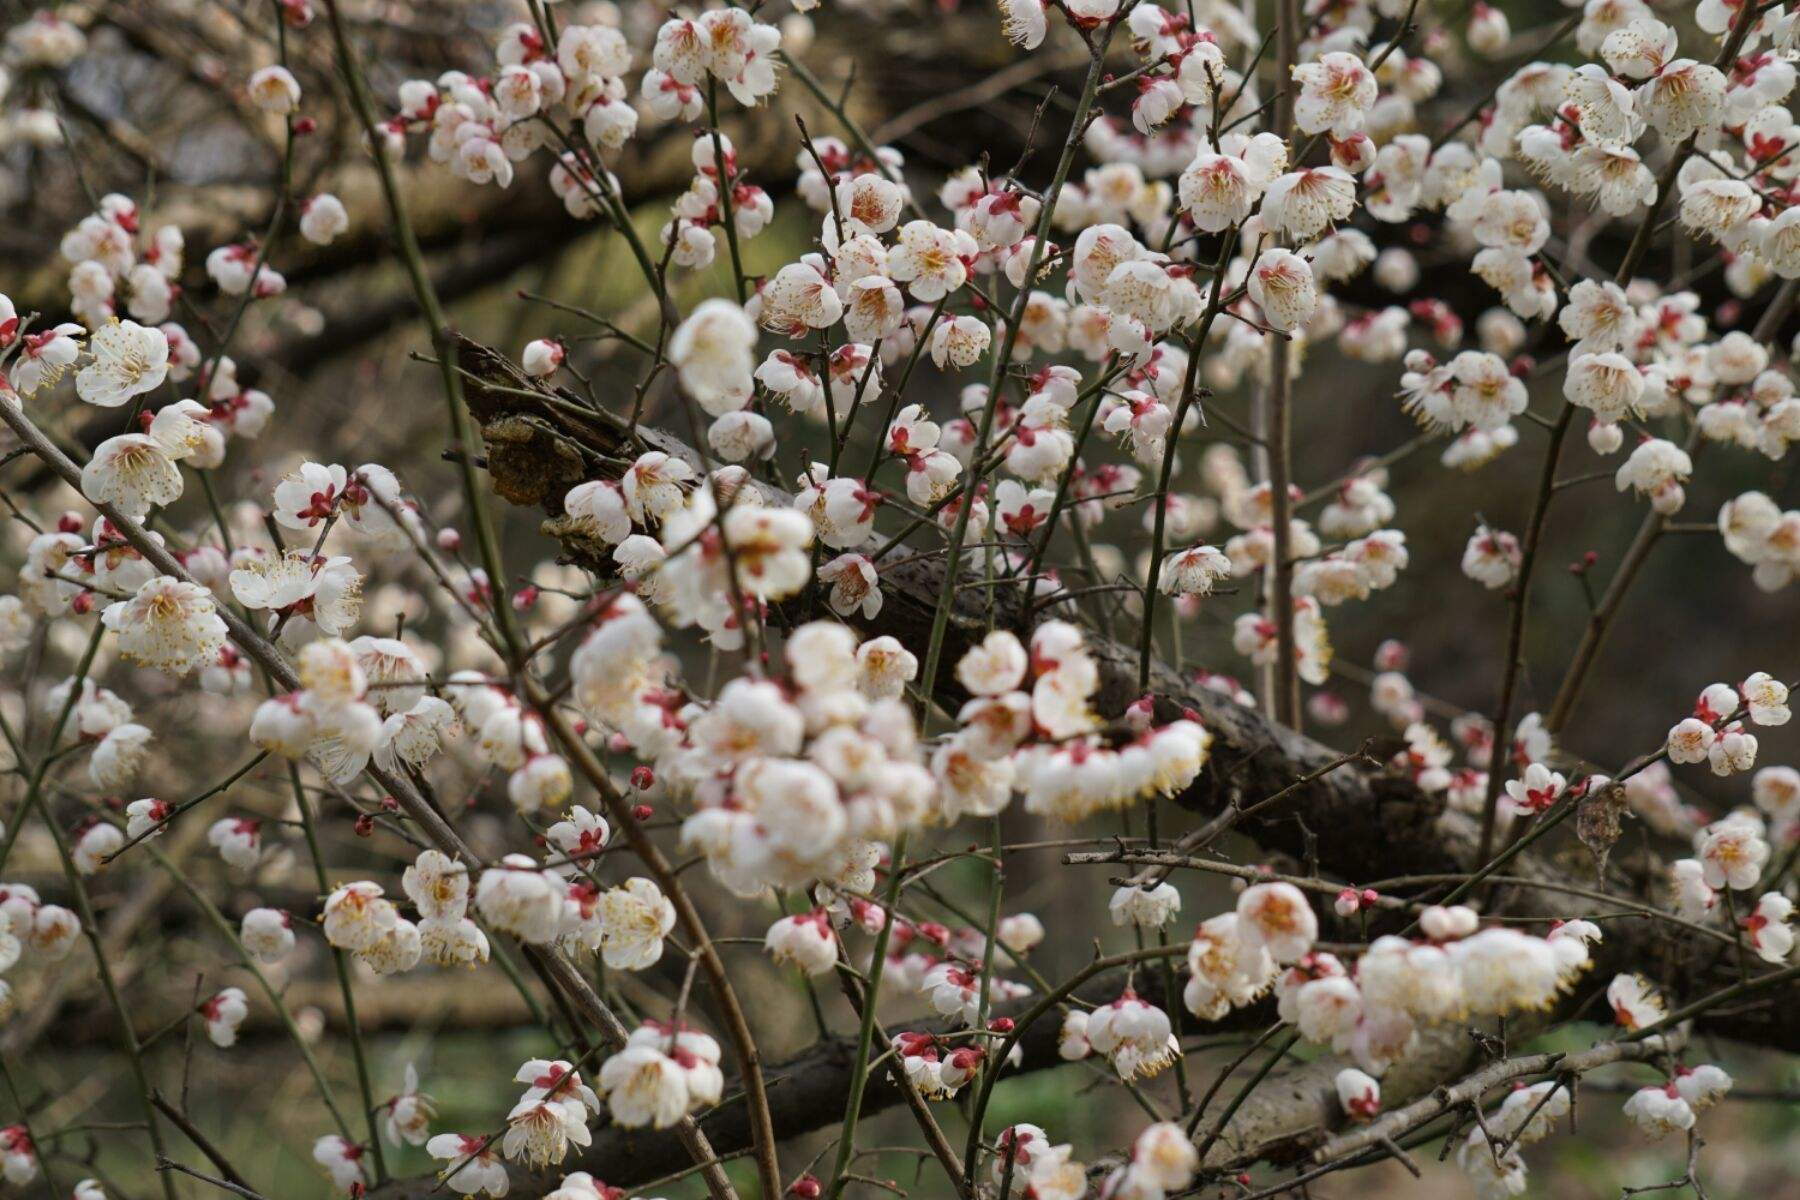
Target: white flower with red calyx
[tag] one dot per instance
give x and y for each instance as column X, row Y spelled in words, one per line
column 1720, row 208
column 806, row 940
column 54, row 931
column 713, row 352
column 1276, row 917
column 696, row 1053
column 1602, row 106
column 643, row 1086
column 1020, row 933
column 322, row 219
column 1327, row 1009
column 1302, row 204
column 1495, row 1174
column 274, row 90
column 1702, row 1086
column 268, row 934
column 954, row 991
column 128, row 360
column 1020, row 510
column 1503, row 971
column 171, row 625
column 94, row 845
column 1141, row 420
column 1537, row 791
column 541, row 357
column 1159, row 98
column 1657, row 468
column 1639, row 50
column 356, row 916
column 473, row 1164
column 1448, row 923
column 1166, row 1155
column 1135, row 1035
column 539, row 1131
column 223, row 1013
column 45, row 356
column 1732, row 751
column 884, row 668
column 520, row 899
column 1529, row 1114
column 855, row 586
column 929, row 260
column 974, row 777
column 135, row 472
column 238, row 841
column 234, row 268
column 1281, row 284
column 923, row 1063
column 1492, row 557
column 152, row 294
column 1685, row 97
column 1600, row 317
column 1768, row 928
column 958, row 1067
column 869, row 203
column 1359, row 1095
column 1042, row 444
column 1220, row 190
column 1776, row 791
column 309, row 495
column 341, row 1159
column 959, row 342
column 848, row 512
column 587, row 52
column 1023, row 22
column 999, row 218
column 1635, row 1004
column 1194, row 571
column 1017, row 1148
column 119, row 756
column 1694, row 898
column 1607, row 384
column 1336, row 92
column 1659, row 1110
column 799, row 298
column 636, row 917
column 1484, row 392
column 544, row 781
column 1766, row 698
column 1145, row 908
column 1570, row 940
column 144, row 818
column 547, row 1079
column 1733, row 852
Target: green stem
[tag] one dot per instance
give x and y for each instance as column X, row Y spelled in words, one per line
column 309, row 825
